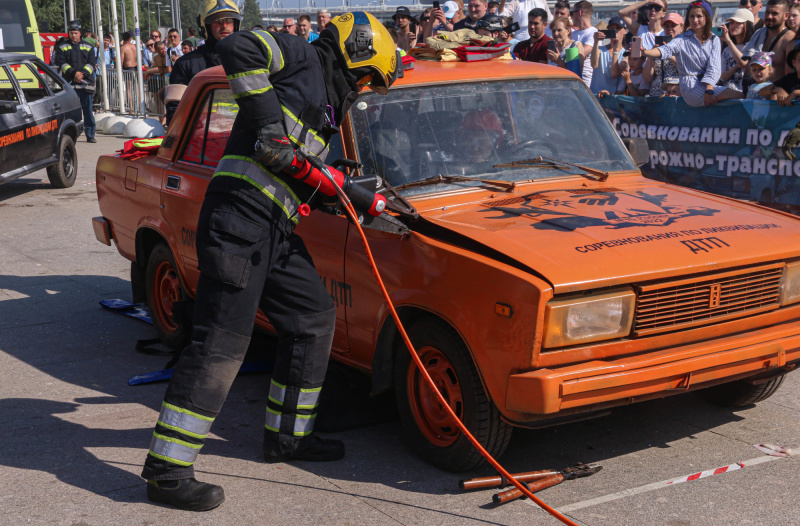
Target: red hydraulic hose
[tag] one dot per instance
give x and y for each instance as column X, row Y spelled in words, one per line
column 354, row 217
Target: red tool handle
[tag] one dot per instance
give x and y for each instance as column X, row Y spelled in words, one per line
column 498, row 482
column 539, row 485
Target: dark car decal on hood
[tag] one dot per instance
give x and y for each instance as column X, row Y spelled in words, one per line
column 611, row 209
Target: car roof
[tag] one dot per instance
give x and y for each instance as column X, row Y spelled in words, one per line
column 434, row 72
column 15, row 57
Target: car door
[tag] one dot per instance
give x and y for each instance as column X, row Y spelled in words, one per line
column 57, row 106
column 40, row 132
column 13, row 149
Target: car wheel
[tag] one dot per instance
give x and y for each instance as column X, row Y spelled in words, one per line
column 164, row 288
column 426, row 425
column 741, row 392
column 63, row 174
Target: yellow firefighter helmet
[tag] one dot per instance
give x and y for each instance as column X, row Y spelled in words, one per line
column 365, row 43
column 211, row 10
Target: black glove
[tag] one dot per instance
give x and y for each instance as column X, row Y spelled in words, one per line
column 274, row 149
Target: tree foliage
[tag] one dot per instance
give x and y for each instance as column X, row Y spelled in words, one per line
column 251, row 14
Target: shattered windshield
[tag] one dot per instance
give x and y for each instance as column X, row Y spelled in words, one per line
column 467, row 129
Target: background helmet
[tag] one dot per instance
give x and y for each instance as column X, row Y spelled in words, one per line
column 74, row 25
column 484, row 120
column 365, row 43
column 210, row 10
column 490, row 23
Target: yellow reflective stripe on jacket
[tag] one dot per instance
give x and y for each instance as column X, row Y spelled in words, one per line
column 89, row 68
column 249, row 83
column 247, row 169
column 274, row 55
column 295, row 130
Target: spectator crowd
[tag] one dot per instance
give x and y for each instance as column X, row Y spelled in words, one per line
column 644, row 51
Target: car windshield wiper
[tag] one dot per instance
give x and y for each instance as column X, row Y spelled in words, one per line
column 599, row 175
column 441, row 178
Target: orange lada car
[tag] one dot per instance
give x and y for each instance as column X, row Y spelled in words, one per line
column 540, row 276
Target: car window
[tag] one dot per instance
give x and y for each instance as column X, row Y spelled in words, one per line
column 223, row 113
column 7, row 91
column 29, row 81
column 54, row 82
column 466, row 129
column 211, row 129
column 193, row 152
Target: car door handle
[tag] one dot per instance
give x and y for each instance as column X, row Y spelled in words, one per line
column 56, row 107
column 173, row 182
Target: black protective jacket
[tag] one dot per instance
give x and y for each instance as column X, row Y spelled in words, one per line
column 281, row 78
column 190, row 64
column 71, row 58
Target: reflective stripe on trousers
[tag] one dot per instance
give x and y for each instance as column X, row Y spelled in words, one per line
column 307, row 399
column 185, row 423
column 254, row 173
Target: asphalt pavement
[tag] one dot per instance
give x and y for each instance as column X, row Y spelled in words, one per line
column 74, row 434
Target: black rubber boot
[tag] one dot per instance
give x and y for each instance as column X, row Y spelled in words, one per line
column 186, row 494
column 311, row 448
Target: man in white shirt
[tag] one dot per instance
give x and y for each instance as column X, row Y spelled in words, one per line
column 655, row 11
column 584, row 33
column 518, row 11
column 174, row 51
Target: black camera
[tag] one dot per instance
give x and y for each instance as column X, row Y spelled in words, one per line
column 610, row 33
column 663, row 39
column 513, row 28
column 436, row 4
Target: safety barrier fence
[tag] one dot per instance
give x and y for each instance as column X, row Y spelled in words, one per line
column 153, row 94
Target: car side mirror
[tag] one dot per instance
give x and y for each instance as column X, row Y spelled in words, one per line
column 8, row 106
column 639, row 150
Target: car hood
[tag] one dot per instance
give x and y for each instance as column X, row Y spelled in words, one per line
column 581, row 236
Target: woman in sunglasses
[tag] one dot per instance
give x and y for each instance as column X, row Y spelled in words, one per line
column 654, row 12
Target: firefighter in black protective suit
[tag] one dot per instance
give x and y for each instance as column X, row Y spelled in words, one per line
column 217, row 19
column 291, row 95
column 76, row 61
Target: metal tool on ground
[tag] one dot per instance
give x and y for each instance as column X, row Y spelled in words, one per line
column 500, row 482
column 579, row 471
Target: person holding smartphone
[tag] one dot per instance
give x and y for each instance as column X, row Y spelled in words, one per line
column 174, row 51
column 602, row 57
column 697, row 53
column 657, row 70
column 654, row 12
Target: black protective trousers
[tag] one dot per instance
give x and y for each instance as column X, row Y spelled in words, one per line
column 247, row 261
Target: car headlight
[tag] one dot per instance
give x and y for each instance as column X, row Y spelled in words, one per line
column 790, row 284
column 591, row 318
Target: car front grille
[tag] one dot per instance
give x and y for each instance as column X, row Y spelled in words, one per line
column 674, row 305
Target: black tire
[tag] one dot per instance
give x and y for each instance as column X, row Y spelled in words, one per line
column 63, row 174
column 438, row 440
column 740, row 393
column 164, row 288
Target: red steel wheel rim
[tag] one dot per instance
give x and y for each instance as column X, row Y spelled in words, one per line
column 431, row 417
column 167, row 290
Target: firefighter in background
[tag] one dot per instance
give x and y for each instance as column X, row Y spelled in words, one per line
column 291, row 95
column 217, row 19
column 76, row 61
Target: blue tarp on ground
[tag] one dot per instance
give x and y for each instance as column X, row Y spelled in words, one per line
column 733, row 148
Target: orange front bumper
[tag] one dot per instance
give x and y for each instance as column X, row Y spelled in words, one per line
column 612, row 382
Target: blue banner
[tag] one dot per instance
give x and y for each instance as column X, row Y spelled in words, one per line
column 743, row 149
